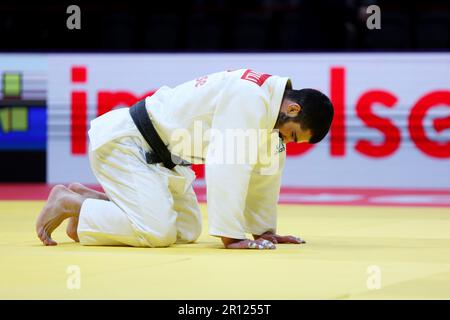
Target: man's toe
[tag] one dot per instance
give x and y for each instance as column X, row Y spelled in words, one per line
column 48, row 241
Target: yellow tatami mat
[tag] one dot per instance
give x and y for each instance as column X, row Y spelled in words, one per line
column 351, row 253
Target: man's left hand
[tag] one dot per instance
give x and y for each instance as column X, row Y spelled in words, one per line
column 275, row 238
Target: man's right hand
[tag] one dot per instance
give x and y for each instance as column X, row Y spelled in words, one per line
column 247, row 244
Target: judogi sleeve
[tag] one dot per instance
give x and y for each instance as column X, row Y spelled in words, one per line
column 241, row 107
column 262, row 199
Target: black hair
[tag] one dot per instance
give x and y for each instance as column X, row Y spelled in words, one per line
column 316, row 113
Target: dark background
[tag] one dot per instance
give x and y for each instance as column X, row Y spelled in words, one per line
column 225, row 25
column 213, row 26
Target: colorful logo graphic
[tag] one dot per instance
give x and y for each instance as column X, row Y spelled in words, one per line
column 22, row 111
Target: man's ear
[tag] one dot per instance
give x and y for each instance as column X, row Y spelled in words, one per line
column 293, row 109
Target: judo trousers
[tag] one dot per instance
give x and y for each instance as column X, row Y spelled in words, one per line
column 150, row 205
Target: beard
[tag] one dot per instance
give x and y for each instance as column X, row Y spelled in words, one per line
column 282, row 119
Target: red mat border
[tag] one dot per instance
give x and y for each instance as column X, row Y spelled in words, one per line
column 295, row 195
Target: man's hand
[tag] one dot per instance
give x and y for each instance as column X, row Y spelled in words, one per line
column 274, row 238
column 247, row 244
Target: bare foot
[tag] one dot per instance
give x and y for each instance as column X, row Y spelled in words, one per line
column 62, row 203
column 72, row 227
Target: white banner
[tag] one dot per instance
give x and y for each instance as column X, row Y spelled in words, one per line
column 391, row 129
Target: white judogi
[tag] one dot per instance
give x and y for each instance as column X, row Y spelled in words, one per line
column 154, row 206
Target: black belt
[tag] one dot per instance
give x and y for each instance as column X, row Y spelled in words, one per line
column 160, row 152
